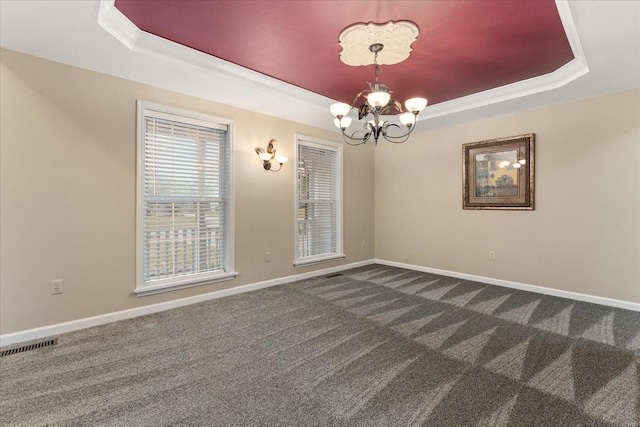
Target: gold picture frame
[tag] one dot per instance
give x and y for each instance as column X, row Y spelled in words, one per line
column 499, row 173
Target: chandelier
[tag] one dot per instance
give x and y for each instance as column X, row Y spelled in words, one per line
column 377, row 103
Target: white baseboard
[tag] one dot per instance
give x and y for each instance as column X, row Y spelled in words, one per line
column 74, row 325
column 627, row 305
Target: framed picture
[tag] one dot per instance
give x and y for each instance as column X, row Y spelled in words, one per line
column 498, row 174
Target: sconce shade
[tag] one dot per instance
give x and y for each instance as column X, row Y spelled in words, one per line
column 372, row 124
column 415, row 105
column 378, row 99
column 340, row 109
column 407, row 119
column 270, row 154
column 342, row 123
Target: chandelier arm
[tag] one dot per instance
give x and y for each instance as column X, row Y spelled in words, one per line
column 405, row 138
column 352, row 137
column 400, row 138
column 276, row 170
column 378, row 102
column 344, row 137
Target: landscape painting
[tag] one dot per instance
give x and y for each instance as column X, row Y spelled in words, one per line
column 498, row 174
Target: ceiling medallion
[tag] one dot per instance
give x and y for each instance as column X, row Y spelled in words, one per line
column 396, row 37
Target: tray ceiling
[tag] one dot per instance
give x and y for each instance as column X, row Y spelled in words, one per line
column 464, row 47
column 281, row 58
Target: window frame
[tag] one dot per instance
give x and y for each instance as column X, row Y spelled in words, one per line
column 144, row 109
column 339, row 231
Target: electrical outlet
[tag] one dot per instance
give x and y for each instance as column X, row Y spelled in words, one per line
column 56, row 287
column 492, row 255
column 267, row 257
column 364, row 243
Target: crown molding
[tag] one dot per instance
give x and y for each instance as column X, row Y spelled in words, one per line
column 569, row 72
column 310, row 108
column 259, row 92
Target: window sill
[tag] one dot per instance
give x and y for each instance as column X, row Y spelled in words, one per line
column 168, row 287
column 317, row 259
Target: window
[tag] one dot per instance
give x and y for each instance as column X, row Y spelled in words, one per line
column 184, row 207
column 318, row 201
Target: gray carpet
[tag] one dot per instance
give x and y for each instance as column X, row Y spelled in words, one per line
column 376, row 346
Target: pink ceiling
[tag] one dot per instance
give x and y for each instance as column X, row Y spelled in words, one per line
column 464, row 47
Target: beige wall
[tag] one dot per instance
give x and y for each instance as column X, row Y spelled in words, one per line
column 68, row 193
column 67, row 206
column 584, row 235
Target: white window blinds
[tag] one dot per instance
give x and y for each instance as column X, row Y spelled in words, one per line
column 319, row 201
column 185, row 186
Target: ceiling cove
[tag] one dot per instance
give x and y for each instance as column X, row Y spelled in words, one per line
column 315, row 100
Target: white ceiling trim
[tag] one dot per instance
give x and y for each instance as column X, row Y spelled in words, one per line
column 119, row 26
column 569, row 72
column 267, row 89
column 67, row 32
column 271, row 90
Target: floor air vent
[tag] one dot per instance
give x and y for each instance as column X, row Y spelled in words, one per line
column 28, row 347
column 333, row 275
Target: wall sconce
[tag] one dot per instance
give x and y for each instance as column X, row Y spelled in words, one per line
column 270, row 154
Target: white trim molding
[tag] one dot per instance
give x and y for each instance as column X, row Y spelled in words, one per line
column 225, row 176
column 317, row 260
column 627, row 305
column 75, row 325
column 167, row 287
column 233, row 85
column 337, row 149
column 569, row 72
column 311, row 108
